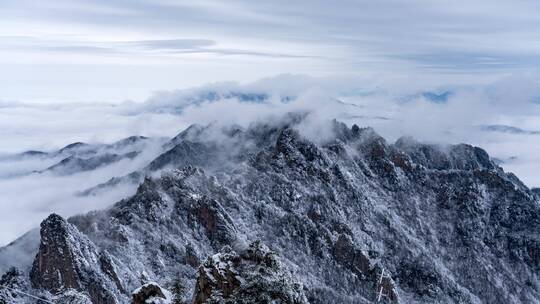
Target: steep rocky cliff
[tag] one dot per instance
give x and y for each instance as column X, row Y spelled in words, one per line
column 66, row 259
column 347, row 219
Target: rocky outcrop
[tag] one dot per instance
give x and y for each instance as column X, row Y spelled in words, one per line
column 56, row 264
column 217, row 224
column 255, row 275
column 67, row 259
column 148, row 293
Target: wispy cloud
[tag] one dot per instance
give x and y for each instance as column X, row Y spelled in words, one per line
column 172, row 44
column 451, row 41
column 163, row 47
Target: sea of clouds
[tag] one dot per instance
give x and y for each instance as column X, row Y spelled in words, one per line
column 502, row 117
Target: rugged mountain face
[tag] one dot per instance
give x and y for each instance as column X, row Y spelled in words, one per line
column 353, row 219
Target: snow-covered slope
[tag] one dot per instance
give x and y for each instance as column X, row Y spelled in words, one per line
column 351, row 219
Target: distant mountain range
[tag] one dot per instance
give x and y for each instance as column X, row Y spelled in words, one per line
column 508, row 129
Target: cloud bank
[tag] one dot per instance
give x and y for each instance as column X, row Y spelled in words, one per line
column 439, row 114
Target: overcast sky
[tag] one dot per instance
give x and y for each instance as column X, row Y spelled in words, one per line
column 113, row 50
column 97, row 71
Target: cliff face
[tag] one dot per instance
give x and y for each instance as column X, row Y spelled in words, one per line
column 66, row 259
column 352, row 219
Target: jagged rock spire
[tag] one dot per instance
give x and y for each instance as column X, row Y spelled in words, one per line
column 56, row 264
column 68, row 260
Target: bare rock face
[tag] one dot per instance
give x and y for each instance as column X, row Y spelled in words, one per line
column 55, row 266
column 254, row 275
column 371, row 276
column 68, row 260
column 218, row 225
column 148, row 293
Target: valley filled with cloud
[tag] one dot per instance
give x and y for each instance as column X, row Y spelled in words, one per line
column 502, row 117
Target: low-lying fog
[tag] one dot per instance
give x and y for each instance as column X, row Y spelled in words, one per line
column 502, row 117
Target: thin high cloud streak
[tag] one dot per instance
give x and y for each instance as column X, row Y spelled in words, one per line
column 164, row 47
column 422, row 31
column 175, row 44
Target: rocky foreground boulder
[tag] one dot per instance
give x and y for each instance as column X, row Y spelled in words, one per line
column 150, row 293
column 352, row 218
column 254, row 275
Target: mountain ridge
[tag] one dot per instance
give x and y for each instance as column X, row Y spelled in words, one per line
column 445, row 224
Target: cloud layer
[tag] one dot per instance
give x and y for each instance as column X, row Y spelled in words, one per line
column 441, row 114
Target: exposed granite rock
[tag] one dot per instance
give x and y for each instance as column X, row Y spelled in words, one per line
column 69, row 260
column 148, row 293
column 254, row 275
column 218, row 225
column 55, row 266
